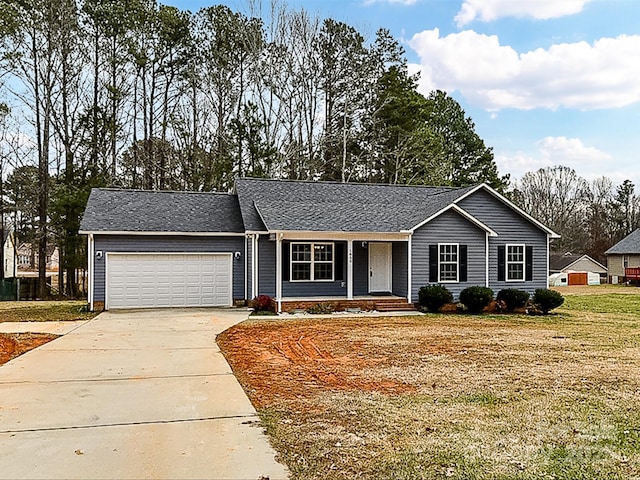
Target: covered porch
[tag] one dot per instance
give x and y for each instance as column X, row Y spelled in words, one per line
column 369, row 271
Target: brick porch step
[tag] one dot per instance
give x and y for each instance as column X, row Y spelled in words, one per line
column 395, row 307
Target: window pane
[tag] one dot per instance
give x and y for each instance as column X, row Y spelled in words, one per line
column 515, row 254
column 323, row 271
column 448, row 272
column 323, row 253
column 301, row 252
column 515, row 271
column 300, row 271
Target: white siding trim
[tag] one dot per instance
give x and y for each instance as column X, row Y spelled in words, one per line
column 486, row 260
column 91, row 268
column 246, row 269
column 547, row 271
column 332, row 236
column 279, row 271
column 409, row 283
column 171, row 234
column 350, row 269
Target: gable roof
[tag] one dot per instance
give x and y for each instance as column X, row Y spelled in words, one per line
column 511, row 205
column 143, row 211
column 560, row 261
column 284, row 205
column 628, row 245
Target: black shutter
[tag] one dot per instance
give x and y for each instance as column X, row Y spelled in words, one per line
column 462, row 263
column 528, row 262
column 501, row 263
column 433, row 263
column 339, row 261
column 286, row 268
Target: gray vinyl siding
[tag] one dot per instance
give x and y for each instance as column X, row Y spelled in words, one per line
column 399, row 269
column 450, row 227
column 511, row 227
column 267, row 266
column 167, row 244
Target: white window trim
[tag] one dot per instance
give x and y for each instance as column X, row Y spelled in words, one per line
column 313, row 261
column 625, row 261
column 507, row 263
column 457, row 280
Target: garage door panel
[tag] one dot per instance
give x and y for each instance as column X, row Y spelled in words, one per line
column 165, row 280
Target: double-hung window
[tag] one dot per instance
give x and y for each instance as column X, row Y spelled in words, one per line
column 515, row 262
column 312, row 261
column 448, row 262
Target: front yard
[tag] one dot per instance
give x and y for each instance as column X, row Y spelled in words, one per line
column 438, row 396
column 15, row 344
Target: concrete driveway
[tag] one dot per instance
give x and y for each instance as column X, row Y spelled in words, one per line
column 135, row 394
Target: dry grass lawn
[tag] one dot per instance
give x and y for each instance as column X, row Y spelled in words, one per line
column 43, row 311
column 451, row 396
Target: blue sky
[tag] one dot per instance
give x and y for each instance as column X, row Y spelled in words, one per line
column 547, row 82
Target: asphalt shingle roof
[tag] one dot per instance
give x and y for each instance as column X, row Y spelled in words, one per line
column 112, row 210
column 628, row 245
column 330, row 206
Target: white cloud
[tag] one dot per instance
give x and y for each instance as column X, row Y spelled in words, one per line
column 493, row 76
column 489, row 10
column 570, row 152
column 588, row 162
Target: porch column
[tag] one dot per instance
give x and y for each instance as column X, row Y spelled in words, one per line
column 409, row 285
column 255, row 244
column 279, row 271
column 349, row 269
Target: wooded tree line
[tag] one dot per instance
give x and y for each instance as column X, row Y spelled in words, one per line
column 590, row 216
column 135, row 94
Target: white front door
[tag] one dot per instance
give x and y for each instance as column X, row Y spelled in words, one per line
column 379, row 267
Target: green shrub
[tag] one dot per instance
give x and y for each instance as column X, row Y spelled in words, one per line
column 432, row 297
column 512, row 298
column 320, row 308
column 476, row 298
column 546, row 300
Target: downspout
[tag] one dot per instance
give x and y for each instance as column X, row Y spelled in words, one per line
column 90, row 267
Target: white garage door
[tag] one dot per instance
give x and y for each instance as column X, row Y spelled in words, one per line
column 168, row 280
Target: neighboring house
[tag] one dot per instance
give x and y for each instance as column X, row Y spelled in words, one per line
column 27, row 258
column 623, row 259
column 306, row 242
column 569, row 263
column 9, row 254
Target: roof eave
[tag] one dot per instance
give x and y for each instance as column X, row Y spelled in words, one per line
column 156, row 233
